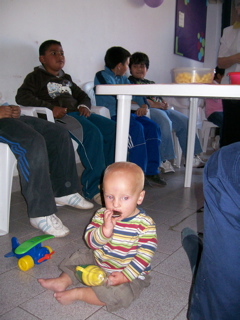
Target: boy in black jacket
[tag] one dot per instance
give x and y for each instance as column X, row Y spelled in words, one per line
column 49, row 86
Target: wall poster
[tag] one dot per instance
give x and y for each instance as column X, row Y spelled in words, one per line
column 190, row 29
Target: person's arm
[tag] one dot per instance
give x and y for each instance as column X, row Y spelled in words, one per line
column 141, row 101
column 94, row 235
column 108, row 101
column 226, row 58
column 84, row 102
column 227, row 62
column 163, row 105
column 27, row 94
column 142, row 110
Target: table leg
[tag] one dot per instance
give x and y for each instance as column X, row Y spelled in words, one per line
column 123, row 119
column 191, row 140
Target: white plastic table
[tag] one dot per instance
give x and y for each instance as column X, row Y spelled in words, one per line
column 124, row 95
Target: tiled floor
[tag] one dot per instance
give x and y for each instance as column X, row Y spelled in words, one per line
column 173, row 207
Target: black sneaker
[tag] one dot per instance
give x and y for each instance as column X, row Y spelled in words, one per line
column 156, row 178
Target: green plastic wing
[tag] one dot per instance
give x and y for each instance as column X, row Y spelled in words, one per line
column 29, row 244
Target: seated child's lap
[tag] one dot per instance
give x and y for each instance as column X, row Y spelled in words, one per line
column 121, row 296
column 115, row 297
column 78, row 258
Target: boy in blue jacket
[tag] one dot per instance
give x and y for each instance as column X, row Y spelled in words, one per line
column 144, row 134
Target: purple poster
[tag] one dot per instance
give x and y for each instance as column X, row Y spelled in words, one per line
column 190, row 29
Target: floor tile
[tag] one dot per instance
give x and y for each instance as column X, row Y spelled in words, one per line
column 18, row 313
column 176, row 265
column 18, row 287
column 45, row 307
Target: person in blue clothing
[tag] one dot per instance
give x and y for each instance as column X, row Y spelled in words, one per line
column 216, row 284
column 144, row 134
column 169, row 120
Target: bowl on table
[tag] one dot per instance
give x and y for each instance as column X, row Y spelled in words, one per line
column 234, row 77
column 193, row 75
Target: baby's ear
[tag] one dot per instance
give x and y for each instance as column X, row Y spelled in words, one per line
column 141, row 197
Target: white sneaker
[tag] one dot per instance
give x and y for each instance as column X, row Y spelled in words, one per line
column 74, row 200
column 50, row 225
column 198, row 162
column 166, row 167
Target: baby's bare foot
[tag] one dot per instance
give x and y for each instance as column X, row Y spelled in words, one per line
column 68, row 296
column 56, row 284
column 52, row 284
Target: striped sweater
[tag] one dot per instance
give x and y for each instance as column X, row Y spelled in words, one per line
column 130, row 248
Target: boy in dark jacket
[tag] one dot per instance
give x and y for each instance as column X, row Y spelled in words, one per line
column 49, row 86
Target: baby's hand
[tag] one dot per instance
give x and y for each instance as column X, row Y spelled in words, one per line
column 109, row 222
column 116, row 278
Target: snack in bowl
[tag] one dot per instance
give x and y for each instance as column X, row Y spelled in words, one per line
column 193, row 75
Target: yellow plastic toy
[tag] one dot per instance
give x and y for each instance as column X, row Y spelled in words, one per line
column 91, row 275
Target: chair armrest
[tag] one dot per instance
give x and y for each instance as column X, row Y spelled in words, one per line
column 102, row 111
column 33, row 112
column 28, row 111
column 47, row 112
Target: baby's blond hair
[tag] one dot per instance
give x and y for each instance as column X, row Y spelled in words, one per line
column 127, row 168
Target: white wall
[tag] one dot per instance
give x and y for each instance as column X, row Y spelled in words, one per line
column 86, row 29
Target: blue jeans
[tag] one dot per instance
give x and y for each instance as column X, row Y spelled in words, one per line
column 169, row 120
column 144, row 144
column 216, row 290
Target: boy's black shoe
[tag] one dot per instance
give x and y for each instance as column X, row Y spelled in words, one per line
column 156, row 178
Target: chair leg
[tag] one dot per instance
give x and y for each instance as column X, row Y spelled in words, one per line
column 178, row 150
column 206, row 134
column 8, row 162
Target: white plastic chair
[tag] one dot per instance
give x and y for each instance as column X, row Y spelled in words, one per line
column 88, row 89
column 178, row 151
column 34, row 111
column 7, row 165
column 207, row 126
column 8, row 170
column 204, row 128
